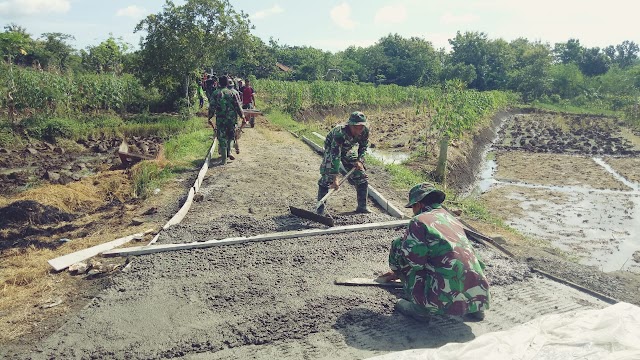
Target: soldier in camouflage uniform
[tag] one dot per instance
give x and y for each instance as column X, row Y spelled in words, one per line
column 436, row 262
column 338, row 150
column 227, row 108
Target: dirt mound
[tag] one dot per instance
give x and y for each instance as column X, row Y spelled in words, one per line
column 25, row 212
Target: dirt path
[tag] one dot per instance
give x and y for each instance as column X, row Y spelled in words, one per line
column 276, row 299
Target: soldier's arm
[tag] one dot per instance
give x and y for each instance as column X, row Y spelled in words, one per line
column 417, row 245
column 363, row 144
column 334, row 155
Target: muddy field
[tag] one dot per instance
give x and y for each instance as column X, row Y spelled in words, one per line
column 39, row 163
column 277, row 299
column 573, row 181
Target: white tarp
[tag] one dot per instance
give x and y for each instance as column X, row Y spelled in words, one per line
column 612, row 333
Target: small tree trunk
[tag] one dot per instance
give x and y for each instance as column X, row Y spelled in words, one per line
column 441, row 169
column 186, row 90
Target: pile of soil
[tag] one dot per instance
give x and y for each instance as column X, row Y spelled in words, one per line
column 25, row 212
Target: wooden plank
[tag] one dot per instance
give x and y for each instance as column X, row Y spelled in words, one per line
column 313, row 145
column 63, row 262
column 385, row 204
column 142, row 250
column 155, row 239
column 251, row 111
column 366, row 282
column 596, row 294
column 177, row 218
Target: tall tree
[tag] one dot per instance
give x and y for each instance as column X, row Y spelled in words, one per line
column 57, row 51
column 500, row 62
column 471, row 48
column 567, row 80
column 594, row 62
column 531, row 74
column 569, row 52
column 624, row 54
column 16, row 45
column 106, row 57
column 412, row 61
column 181, row 40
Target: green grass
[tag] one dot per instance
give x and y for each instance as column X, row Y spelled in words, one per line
column 147, row 176
column 183, row 152
column 185, row 148
column 285, row 121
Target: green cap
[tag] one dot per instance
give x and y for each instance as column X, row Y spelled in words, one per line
column 357, row 118
column 418, row 192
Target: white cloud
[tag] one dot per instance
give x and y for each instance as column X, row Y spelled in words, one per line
column 449, row 19
column 391, row 14
column 341, row 15
column 275, row 9
column 33, row 7
column 132, row 11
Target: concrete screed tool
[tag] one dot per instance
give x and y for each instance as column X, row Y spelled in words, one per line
column 312, row 215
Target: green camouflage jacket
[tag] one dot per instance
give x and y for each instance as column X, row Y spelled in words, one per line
column 338, row 143
column 226, row 104
column 438, row 266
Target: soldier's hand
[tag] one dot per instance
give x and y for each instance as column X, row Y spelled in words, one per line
column 359, row 165
column 389, row 276
column 335, row 184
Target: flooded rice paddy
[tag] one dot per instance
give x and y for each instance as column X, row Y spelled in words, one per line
column 585, row 200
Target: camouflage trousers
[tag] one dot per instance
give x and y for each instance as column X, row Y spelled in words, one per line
column 358, row 177
column 226, row 134
column 396, row 260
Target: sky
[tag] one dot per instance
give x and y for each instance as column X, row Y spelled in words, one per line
column 335, row 25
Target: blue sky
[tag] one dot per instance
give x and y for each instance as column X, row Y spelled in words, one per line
column 334, row 25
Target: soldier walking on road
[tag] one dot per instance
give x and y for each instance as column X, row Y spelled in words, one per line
column 226, row 107
column 436, row 262
column 338, row 149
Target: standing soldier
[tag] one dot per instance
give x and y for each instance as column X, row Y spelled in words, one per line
column 226, row 107
column 337, row 150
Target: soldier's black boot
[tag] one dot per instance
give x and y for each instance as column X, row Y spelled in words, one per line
column 362, row 192
column 322, row 191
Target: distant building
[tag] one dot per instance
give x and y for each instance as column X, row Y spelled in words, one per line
column 283, row 67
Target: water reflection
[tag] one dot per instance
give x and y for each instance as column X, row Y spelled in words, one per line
column 388, row 157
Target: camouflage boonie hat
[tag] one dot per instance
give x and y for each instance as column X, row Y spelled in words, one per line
column 418, row 192
column 357, row 118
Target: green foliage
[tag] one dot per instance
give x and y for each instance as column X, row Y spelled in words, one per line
column 146, row 176
column 457, row 111
column 568, row 81
column 63, row 94
column 182, row 151
column 189, row 146
column 285, row 121
column 7, row 136
column 106, row 57
column 295, row 96
column 184, row 38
